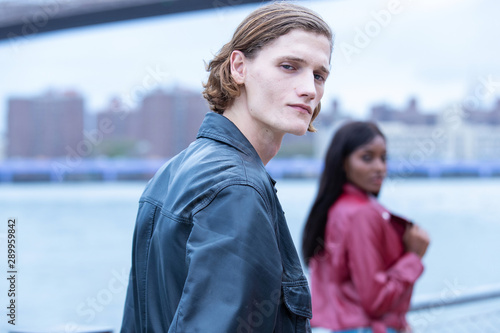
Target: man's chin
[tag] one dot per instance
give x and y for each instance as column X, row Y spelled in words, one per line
column 299, row 130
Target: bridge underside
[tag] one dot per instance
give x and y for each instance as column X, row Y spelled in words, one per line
column 25, row 19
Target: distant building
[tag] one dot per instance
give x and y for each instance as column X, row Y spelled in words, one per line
column 329, row 119
column 122, row 138
column 408, row 132
column 116, row 114
column 169, row 121
column 414, row 137
column 486, row 146
column 471, row 135
column 454, row 134
column 2, row 147
column 415, row 143
column 45, row 126
column 487, row 117
column 410, row 115
column 163, row 125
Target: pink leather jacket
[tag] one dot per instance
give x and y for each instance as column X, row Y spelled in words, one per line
column 364, row 277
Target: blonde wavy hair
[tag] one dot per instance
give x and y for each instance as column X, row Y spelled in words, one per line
column 256, row 31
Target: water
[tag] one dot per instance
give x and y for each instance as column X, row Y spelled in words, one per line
column 74, row 243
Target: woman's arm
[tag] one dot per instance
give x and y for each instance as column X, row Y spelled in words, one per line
column 380, row 288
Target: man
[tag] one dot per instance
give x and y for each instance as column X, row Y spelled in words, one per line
column 211, row 250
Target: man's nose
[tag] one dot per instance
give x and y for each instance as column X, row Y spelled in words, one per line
column 307, row 86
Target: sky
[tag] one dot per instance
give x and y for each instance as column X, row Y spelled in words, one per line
column 439, row 51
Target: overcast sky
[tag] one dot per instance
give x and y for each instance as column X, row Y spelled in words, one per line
column 385, row 52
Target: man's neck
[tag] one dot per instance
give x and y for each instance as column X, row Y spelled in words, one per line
column 263, row 139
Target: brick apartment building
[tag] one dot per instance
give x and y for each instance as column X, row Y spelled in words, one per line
column 44, row 126
column 163, row 124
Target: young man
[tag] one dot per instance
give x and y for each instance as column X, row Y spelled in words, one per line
column 211, row 250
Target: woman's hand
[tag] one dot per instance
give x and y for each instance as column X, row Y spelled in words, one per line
column 416, row 240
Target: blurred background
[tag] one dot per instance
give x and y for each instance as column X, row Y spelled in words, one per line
column 96, row 95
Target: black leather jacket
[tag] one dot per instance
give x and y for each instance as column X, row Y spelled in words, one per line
column 212, row 251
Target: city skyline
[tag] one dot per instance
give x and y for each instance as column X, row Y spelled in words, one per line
column 47, row 139
column 385, row 52
column 131, row 144
column 56, row 124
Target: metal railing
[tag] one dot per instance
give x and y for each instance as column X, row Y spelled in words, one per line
column 456, row 311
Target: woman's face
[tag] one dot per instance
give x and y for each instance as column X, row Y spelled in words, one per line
column 366, row 166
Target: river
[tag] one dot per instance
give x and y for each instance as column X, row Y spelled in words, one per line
column 74, row 243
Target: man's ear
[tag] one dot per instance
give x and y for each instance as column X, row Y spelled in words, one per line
column 238, row 66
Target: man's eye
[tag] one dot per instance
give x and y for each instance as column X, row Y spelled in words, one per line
column 287, row 67
column 319, row 77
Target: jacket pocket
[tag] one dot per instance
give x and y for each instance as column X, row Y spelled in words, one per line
column 297, row 299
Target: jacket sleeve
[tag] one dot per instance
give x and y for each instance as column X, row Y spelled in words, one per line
column 234, row 267
column 380, row 288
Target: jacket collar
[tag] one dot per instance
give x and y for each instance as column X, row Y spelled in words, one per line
column 217, row 127
column 352, row 189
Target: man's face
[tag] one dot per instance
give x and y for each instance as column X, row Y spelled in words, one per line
column 285, row 81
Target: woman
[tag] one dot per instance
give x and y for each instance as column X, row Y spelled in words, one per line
column 363, row 260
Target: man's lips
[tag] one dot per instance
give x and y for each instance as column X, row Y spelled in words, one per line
column 302, row 107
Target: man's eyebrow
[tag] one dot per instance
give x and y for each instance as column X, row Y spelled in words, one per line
column 302, row 61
